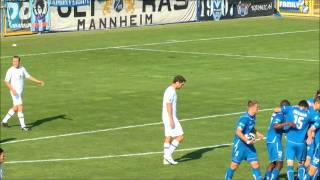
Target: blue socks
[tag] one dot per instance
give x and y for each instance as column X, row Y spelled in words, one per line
column 290, row 173
column 275, row 173
column 267, row 175
column 229, row 174
column 301, row 171
column 256, row 173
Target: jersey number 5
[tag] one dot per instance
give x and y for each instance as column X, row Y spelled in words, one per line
column 298, row 121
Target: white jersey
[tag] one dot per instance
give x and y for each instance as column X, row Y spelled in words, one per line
column 16, row 76
column 169, row 96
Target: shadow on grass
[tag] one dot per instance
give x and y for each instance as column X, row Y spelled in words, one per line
column 6, row 140
column 46, row 120
column 194, row 155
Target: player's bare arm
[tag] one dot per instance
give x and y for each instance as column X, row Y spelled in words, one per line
column 259, row 135
column 40, row 83
column 169, row 110
column 14, row 92
column 281, row 125
column 310, row 135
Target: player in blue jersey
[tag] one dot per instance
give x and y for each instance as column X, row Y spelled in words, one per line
column 311, row 100
column 274, row 142
column 295, row 142
column 311, row 146
column 314, row 136
column 243, row 148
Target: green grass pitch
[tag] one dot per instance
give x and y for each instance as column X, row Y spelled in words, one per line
column 225, row 63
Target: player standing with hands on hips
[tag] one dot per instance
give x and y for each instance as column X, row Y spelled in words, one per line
column 173, row 130
column 14, row 80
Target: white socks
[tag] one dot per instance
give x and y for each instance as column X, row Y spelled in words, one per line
column 169, row 148
column 166, row 151
column 8, row 116
column 21, row 119
column 173, row 146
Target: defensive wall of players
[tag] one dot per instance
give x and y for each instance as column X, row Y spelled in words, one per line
column 34, row 16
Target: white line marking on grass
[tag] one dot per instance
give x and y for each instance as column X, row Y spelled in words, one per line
column 122, row 127
column 218, row 54
column 165, row 42
column 117, row 156
column 111, row 156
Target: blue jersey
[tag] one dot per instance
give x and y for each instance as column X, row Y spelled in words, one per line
column 310, row 101
column 274, row 135
column 246, row 123
column 302, row 120
column 316, row 125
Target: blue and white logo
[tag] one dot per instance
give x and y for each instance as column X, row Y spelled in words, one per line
column 217, row 12
column 118, row 5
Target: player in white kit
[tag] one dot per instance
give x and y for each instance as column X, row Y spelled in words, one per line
column 14, row 80
column 172, row 128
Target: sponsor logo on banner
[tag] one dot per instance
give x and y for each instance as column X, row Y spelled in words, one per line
column 18, row 14
column 243, row 8
column 261, row 7
column 118, row 5
column 217, row 11
column 295, row 6
column 69, row 3
column 206, row 9
column 234, row 9
column 40, row 16
column 106, row 14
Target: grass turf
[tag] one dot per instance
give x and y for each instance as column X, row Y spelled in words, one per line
column 108, row 88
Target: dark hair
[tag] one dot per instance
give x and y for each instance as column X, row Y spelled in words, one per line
column 303, row 103
column 40, row 3
column 285, row 103
column 317, row 99
column 252, row 103
column 179, row 79
column 1, row 150
column 16, row 57
column 317, row 93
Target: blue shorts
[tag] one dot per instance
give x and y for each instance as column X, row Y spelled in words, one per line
column 310, row 149
column 315, row 157
column 242, row 151
column 275, row 151
column 295, row 151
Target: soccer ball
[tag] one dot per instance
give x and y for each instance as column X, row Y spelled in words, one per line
column 251, row 137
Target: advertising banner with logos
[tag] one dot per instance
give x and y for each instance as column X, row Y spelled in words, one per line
column 296, row 7
column 40, row 15
column 17, row 17
column 108, row 14
column 226, row 9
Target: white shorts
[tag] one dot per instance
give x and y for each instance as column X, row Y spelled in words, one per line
column 177, row 131
column 17, row 100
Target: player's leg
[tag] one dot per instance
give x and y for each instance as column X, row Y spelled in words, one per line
column 276, row 171
column 233, row 167
column 301, row 156
column 166, row 152
column 270, row 167
column 290, row 154
column 21, row 118
column 16, row 101
column 279, row 161
column 6, row 118
column 253, row 160
column 178, row 134
column 239, row 153
column 271, row 156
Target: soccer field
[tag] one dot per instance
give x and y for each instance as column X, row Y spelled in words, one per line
column 99, row 114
